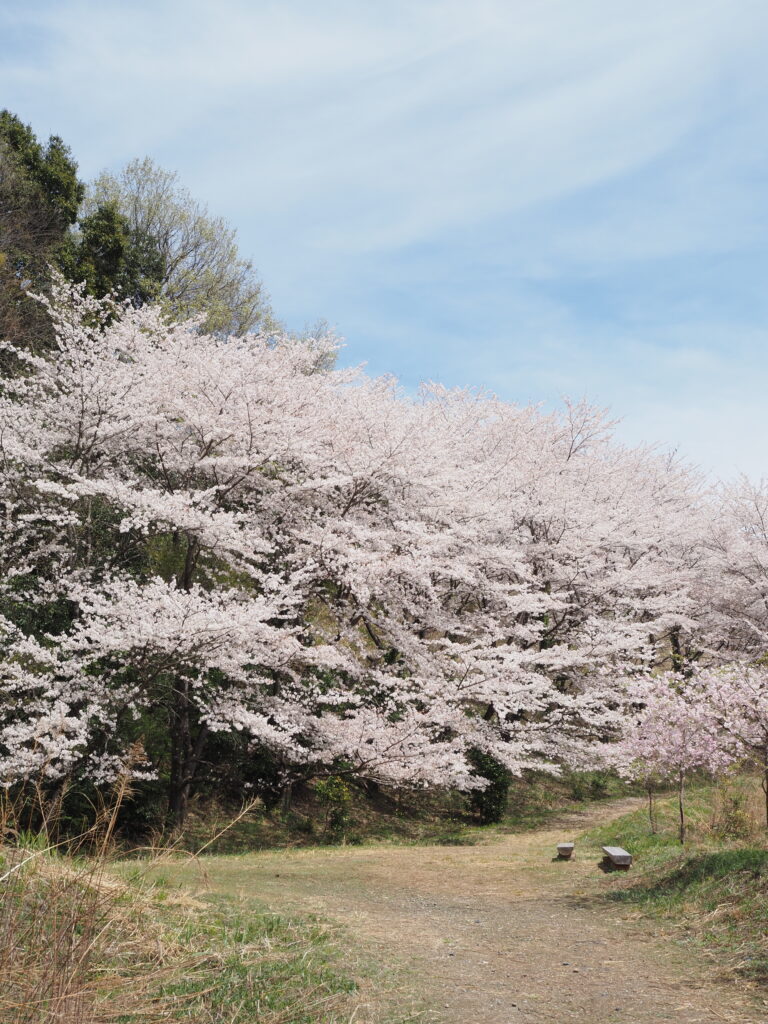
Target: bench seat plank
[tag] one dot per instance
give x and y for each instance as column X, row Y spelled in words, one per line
column 618, row 855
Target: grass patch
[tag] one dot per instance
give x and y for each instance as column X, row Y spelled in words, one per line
column 79, row 945
column 255, row 967
column 715, row 887
column 538, row 797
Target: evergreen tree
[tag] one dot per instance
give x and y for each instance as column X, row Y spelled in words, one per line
column 39, row 198
column 111, row 257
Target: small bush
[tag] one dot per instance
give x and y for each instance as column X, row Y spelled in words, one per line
column 335, row 797
column 732, row 817
column 490, row 803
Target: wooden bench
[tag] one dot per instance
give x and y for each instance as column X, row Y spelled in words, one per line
column 618, row 857
column 564, row 850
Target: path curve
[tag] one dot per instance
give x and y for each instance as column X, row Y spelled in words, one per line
column 501, row 933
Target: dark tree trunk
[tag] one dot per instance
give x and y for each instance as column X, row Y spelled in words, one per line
column 677, row 653
column 681, row 806
column 651, row 810
column 285, row 799
column 370, row 787
column 187, row 743
column 187, row 736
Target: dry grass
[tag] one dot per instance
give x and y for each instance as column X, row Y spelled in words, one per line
column 79, row 945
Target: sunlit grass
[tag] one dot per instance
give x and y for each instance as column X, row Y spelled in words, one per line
column 80, row 944
column 715, row 887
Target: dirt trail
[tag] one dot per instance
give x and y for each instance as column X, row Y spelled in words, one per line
column 500, row 933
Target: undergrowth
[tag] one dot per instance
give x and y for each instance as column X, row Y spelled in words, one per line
column 435, row 817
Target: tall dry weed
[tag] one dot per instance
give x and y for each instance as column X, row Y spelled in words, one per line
column 57, row 910
column 78, row 945
column 737, row 810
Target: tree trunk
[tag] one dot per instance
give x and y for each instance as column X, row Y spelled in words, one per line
column 680, row 799
column 651, row 810
column 677, row 653
column 285, row 799
column 370, row 787
column 765, row 783
column 187, row 575
column 186, row 748
column 186, row 751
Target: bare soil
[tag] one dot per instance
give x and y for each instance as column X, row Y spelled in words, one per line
column 501, row 933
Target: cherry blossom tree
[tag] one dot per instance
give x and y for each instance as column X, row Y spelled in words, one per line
column 736, row 696
column 735, row 579
column 220, row 536
column 671, row 734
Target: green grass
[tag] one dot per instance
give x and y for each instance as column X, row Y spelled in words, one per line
column 538, row 797
column 715, row 887
column 80, row 943
column 246, row 966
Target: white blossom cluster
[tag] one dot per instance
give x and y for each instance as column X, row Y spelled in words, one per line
column 213, row 531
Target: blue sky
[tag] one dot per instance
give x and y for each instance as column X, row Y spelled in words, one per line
column 541, row 197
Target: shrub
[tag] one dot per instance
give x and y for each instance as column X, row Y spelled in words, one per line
column 490, row 803
column 732, row 817
column 335, row 797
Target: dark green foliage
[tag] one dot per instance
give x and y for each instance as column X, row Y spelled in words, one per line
column 112, row 258
column 489, row 804
column 593, row 785
column 50, row 167
column 335, row 797
column 235, row 770
column 39, row 619
column 39, row 197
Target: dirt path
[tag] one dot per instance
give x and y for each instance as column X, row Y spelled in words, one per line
column 500, row 933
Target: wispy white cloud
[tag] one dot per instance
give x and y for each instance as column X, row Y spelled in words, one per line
column 541, row 197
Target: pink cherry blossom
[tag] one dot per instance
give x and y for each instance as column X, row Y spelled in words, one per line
column 227, row 538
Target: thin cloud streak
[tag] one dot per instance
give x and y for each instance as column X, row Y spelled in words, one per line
column 539, row 198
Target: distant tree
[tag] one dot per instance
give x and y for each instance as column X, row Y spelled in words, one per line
column 736, row 571
column 203, row 270
column 671, row 733
column 50, row 167
column 737, row 697
column 137, row 235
